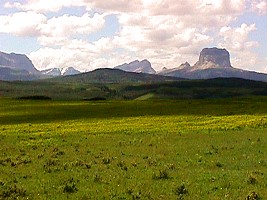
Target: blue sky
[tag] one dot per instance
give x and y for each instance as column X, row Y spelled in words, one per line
column 89, row 34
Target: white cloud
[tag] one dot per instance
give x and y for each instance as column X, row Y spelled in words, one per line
column 115, row 5
column 22, row 23
column 237, row 41
column 76, row 53
column 50, row 32
column 44, row 5
column 47, row 57
column 57, row 30
column 259, row 6
column 159, row 7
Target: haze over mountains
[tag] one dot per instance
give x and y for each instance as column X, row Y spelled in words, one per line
column 212, row 63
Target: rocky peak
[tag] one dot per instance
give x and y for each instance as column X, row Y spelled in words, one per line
column 60, row 71
column 17, row 62
column 215, row 56
column 69, row 71
column 185, row 65
column 143, row 66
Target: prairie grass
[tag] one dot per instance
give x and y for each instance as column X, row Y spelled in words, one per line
column 201, row 149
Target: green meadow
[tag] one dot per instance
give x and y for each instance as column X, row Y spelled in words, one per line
column 152, row 149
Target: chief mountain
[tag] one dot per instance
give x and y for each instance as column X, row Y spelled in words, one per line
column 212, row 63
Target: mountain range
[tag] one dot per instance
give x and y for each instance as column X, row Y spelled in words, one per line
column 19, row 67
column 212, row 63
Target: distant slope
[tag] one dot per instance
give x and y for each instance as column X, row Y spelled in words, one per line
column 215, row 73
column 113, row 76
column 8, row 74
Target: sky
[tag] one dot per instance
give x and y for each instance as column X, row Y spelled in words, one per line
column 89, row 34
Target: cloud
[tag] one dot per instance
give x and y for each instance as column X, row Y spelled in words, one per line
column 58, row 29
column 160, row 7
column 44, row 5
column 55, row 6
column 195, row 7
column 54, row 31
column 237, row 41
column 22, row 23
column 47, row 57
column 259, row 6
column 115, row 5
column 76, row 53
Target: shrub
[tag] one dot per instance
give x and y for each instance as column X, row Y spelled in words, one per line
column 252, row 180
column 218, row 164
column 163, row 174
column 13, row 192
column 35, row 97
column 106, row 161
column 95, row 99
column 180, row 191
column 253, row 196
column 70, row 186
column 97, row 178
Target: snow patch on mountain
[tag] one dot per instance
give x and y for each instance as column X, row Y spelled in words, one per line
column 66, row 71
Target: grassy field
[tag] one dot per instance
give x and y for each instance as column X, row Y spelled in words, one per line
column 72, row 88
column 155, row 149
